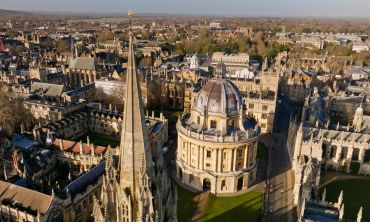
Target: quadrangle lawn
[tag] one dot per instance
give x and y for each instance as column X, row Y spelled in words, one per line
column 245, row 207
column 101, row 140
column 355, row 194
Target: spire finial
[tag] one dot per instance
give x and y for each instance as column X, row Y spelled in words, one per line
column 130, row 14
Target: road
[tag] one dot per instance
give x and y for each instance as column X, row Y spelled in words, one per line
column 280, row 183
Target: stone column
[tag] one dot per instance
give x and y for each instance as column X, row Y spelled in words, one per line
column 219, row 160
column 188, row 147
column 349, row 153
column 245, row 157
column 230, row 160
column 202, row 158
column 338, row 154
column 234, row 159
column 216, row 160
column 198, row 153
column 361, row 155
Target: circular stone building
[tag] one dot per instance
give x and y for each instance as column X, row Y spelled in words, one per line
column 217, row 142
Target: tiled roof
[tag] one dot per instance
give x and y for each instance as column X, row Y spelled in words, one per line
column 74, row 147
column 47, row 89
column 20, row 197
column 82, row 63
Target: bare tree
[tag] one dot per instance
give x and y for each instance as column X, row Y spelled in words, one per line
column 13, row 114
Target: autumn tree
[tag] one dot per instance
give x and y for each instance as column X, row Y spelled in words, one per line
column 13, row 114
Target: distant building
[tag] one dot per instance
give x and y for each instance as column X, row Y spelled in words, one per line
column 215, row 26
column 358, row 73
column 360, row 47
column 81, row 71
column 233, row 62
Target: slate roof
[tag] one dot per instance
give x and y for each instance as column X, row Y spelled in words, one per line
column 24, row 143
column 47, row 89
column 24, row 199
column 82, row 63
column 80, row 184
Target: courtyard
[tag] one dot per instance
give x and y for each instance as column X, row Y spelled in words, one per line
column 101, row 140
column 355, row 195
column 206, row 207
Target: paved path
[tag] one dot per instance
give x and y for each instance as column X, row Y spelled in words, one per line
column 201, row 205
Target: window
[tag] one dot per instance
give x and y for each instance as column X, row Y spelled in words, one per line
column 213, row 124
column 78, row 210
column 264, row 116
column 265, row 107
column 333, row 151
column 223, row 184
column 367, row 156
column 209, row 154
column 191, row 178
column 198, row 120
column 208, row 165
column 251, row 106
column 263, row 125
column 240, row 152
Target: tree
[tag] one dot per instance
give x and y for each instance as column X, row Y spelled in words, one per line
column 63, row 46
column 47, row 44
column 13, row 114
column 105, row 35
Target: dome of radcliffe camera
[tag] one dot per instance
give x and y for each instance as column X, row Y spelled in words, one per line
column 219, row 96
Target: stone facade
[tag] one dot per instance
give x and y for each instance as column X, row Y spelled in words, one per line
column 329, row 145
column 217, row 142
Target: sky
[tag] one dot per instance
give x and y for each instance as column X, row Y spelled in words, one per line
column 286, row 8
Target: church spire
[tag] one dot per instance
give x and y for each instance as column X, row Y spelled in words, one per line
column 135, row 155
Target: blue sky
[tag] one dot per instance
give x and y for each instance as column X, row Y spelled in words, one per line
column 327, row 8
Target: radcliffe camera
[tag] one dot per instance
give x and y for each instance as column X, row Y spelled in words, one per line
column 184, row 111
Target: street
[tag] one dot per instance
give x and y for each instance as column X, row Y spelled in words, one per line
column 280, row 183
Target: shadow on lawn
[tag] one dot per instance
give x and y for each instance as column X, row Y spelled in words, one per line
column 238, row 213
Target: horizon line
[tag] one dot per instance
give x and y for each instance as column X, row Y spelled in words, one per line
column 143, row 13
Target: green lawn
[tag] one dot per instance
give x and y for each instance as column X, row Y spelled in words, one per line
column 355, row 194
column 102, row 140
column 186, row 204
column 235, row 209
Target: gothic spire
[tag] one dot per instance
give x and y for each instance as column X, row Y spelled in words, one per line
column 135, row 155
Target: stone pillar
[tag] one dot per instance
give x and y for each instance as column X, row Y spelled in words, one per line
column 202, row 158
column 361, row 155
column 219, row 160
column 338, row 154
column 349, row 153
column 234, row 159
column 216, row 160
column 198, row 154
column 245, row 157
column 230, row 157
column 188, row 147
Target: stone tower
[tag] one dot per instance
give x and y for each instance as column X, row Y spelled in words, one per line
column 135, row 188
column 358, row 118
column 194, row 62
